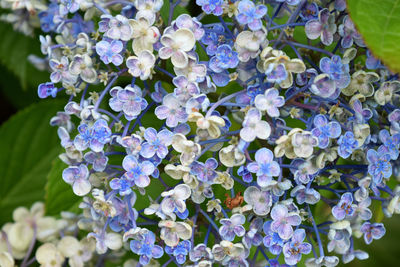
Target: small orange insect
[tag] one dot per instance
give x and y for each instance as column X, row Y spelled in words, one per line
column 234, row 202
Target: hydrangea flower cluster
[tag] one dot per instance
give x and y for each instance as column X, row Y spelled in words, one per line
column 222, row 138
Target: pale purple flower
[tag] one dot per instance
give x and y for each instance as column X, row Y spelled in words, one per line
column 372, row 231
column 61, row 71
column 253, row 236
column 159, row 92
column 264, row 166
column 325, row 87
column 128, row 100
column 293, row 249
column 345, row 207
column 175, row 199
column 305, row 195
column 184, row 89
column 232, row 227
column 98, row 159
column 191, row 23
column 141, row 65
column 211, row 6
column 123, row 185
column 156, row 143
column 205, row 172
column 110, row 52
column 254, row 127
column 323, row 27
column 136, row 171
column 250, row 14
column 82, row 65
column 390, row 144
column 272, row 240
column 78, row 177
column 146, row 248
column 176, row 45
column 283, row 221
column 349, row 33
column 171, row 110
column 132, row 144
column 276, row 73
column 325, row 130
column 379, row 165
column 336, row 69
column 94, row 137
column 270, row 101
column 117, row 27
column 260, row 201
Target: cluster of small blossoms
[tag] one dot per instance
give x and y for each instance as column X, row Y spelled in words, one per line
column 33, row 237
column 249, row 135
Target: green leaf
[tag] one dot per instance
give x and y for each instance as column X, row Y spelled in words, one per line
column 379, row 24
column 59, row 195
column 14, row 52
column 28, row 145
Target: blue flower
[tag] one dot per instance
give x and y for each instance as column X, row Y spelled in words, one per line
column 292, row 250
column 289, row 2
column 94, row 137
column 97, row 159
column 253, row 236
column 249, row 14
column 146, row 248
column 157, row 143
column 122, row 184
column 232, row 227
column 205, row 172
column 337, row 71
column 180, row 251
column 47, row 89
column 214, row 38
column 78, row 177
column 264, row 166
column 128, row 100
column 379, row 165
column 272, row 240
column 47, row 18
column 390, row 144
column 211, row 6
column 224, row 58
column 345, row 207
column 136, row 171
column 110, row 51
column 372, row 231
column 246, row 175
column 347, row 143
column 324, row 130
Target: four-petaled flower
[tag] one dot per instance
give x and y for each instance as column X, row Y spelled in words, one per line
column 324, row 130
column 225, row 58
column 283, row 220
column 146, row 248
column 379, row 165
column 180, row 251
column 136, row 171
column 249, row 14
column 372, row 231
column 141, row 65
column 254, row 127
column 264, row 166
column 345, row 207
column 347, row 144
column 78, row 177
column 156, row 143
column 128, row 100
column 293, row 249
column 110, row 51
column 94, row 137
column 270, row 101
column 323, row 27
column 171, row 110
column 232, row 227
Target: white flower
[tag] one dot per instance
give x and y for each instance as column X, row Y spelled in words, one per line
column 82, row 65
column 230, row 156
column 172, row 231
column 141, row 65
column 175, row 198
column 6, row 260
column 188, row 149
column 144, row 35
column 254, row 127
column 269, row 102
column 176, row 45
column 248, row 44
column 210, row 123
column 177, row 172
column 304, row 143
column 148, row 9
column 49, row 256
